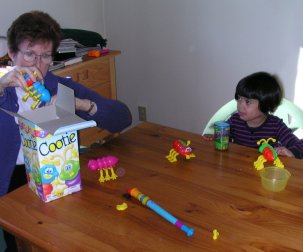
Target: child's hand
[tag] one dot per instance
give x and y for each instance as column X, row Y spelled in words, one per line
column 208, row 137
column 282, row 151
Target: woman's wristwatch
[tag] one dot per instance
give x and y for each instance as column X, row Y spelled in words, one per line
column 92, row 105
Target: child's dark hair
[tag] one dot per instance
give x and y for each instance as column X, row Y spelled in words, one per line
column 263, row 87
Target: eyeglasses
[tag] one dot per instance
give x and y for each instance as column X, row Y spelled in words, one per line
column 30, row 57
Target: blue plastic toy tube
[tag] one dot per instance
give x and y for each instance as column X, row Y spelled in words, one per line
column 145, row 200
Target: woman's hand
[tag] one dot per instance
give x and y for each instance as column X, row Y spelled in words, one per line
column 86, row 105
column 80, row 104
column 15, row 77
column 282, row 151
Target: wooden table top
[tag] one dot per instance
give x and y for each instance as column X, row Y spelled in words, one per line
column 214, row 190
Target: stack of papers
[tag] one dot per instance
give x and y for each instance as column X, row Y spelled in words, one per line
column 56, row 65
column 69, row 45
column 73, row 46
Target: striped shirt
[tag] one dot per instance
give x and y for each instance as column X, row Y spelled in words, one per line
column 273, row 127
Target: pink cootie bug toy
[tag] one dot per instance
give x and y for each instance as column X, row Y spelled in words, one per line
column 106, row 167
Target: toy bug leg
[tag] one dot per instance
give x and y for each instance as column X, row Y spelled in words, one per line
column 259, row 164
column 278, row 163
column 101, row 179
column 107, row 177
column 113, row 174
column 192, row 155
column 172, row 156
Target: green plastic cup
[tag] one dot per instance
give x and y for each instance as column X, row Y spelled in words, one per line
column 221, row 135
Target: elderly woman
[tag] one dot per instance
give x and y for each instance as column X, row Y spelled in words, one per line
column 33, row 38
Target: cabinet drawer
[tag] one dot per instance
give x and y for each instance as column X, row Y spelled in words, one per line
column 102, row 89
column 93, row 72
column 89, row 72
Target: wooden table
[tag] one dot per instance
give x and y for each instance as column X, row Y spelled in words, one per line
column 214, row 190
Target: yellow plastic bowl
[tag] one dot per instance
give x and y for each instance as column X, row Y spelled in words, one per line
column 274, row 179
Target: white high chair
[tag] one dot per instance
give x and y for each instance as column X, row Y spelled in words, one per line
column 291, row 114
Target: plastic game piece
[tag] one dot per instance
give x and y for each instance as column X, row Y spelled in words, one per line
column 145, row 200
column 122, row 206
column 36, row 91
column 97, row 53
column 106, row 167
column 94, row 53
column 268, row 154
column 215, row 234
column 182, row 148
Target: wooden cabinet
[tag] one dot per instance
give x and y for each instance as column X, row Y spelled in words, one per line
column 99, row 74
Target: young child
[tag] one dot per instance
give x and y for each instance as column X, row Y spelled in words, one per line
column 257, row 96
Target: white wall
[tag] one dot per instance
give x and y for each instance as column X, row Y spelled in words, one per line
column 79, row 14
column 183, row 58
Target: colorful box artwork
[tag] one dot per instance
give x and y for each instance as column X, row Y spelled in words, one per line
column 50, row 146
